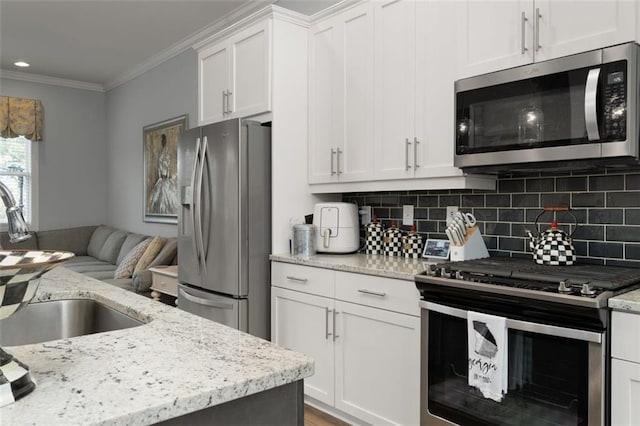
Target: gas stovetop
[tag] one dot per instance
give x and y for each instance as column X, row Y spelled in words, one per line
column 580, row 284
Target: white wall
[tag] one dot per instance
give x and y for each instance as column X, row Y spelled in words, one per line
column 165, row 92
column 72, row 157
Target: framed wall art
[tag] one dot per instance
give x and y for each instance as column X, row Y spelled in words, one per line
column 161, row 201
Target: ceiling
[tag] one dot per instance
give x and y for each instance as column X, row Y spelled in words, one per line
column 104, row 43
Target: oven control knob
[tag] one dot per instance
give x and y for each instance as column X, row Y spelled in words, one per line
column 431, row 270
column 563, row 287
column 445, row 273
column 587, row 290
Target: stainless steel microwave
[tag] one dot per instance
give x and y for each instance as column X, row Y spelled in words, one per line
column 570, row 113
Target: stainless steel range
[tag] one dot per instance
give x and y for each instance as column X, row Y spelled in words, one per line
column 557, row 331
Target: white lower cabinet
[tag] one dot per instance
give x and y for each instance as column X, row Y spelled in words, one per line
column 366, row 349
column 300, row 322
column 625, row 393
column 625, row 369
column 377, row 361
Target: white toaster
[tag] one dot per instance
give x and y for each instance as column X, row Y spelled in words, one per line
column 338, row 228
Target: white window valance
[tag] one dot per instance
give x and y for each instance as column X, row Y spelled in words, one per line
column 20, row 117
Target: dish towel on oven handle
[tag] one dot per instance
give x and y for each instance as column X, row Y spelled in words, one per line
column 488, row 354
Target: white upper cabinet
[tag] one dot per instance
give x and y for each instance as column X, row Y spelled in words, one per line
column 395, row 88
column 213, row 76
column 381, row 98
column 234, row 75
column 415, row 65
column 341, row 97
column 495, row 35
column 569, row 27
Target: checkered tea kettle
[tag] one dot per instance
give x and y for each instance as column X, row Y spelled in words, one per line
column 553, row 246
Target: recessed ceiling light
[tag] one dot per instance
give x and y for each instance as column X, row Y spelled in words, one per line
column 21, row 64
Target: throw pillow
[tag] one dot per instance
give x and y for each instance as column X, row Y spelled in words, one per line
column 128, row 264
column 150, row 253
column 142, row 279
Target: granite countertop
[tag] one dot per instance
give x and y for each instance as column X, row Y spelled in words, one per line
column 174, row 364
column 383, row 266
column 629, row 302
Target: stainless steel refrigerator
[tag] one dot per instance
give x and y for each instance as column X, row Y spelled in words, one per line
column 224, row 224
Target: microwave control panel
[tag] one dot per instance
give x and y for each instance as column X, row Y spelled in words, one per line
column 615, row 102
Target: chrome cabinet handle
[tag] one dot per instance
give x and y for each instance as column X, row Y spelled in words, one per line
column 333, row 152
column 406, row 154
column 538, row 16
column 326, row 323
column 338, row 152
column 523, row 40
column 415, row 153
column 373, row 293
column 296, row 279
column 335, row 314
column 590, row 107
column 229, row 94
column 224, row 101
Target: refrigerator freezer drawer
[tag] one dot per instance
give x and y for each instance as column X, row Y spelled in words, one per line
column 224, row 310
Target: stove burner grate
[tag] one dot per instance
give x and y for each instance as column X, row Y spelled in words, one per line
column 523, row 273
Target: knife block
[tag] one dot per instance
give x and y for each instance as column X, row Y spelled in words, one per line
column 473, row 247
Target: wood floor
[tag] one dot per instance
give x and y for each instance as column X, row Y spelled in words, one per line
column 314, row 417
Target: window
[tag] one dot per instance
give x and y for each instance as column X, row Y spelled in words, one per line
column 17, row 174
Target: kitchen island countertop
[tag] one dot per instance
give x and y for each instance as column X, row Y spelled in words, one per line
column 176, row 363
column 379, row 265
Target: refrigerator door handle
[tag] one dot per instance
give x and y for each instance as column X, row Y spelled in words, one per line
column 198, row 226
column 193, row 205
column 206, row 302
column 207, row 211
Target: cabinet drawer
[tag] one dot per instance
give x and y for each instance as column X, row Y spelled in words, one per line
column 378, row 292
column 307, row 279
column 624, row 336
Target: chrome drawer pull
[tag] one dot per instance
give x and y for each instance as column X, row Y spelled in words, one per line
column 373, row 293
column 296, row 279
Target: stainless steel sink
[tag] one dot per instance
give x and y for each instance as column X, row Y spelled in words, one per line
column 58, row 319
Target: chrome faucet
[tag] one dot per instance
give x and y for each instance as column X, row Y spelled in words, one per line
column 18, row 230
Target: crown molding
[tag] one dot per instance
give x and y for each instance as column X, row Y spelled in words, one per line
column 219, row 32
column 240, row 13
column 243, row 15
column 334, row 9
column 54, row 81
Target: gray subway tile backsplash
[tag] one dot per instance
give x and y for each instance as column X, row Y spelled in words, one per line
column 605, row 203
column 606, row 183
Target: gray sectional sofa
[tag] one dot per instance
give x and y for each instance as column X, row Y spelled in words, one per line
column 99, row 251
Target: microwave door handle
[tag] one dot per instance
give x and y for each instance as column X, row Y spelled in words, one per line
column 590, row 100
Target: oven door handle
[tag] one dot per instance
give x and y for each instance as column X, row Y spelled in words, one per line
column 550, row 330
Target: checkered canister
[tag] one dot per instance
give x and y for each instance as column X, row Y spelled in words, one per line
column 373, row 237
column 392, row 241
column 412, row 245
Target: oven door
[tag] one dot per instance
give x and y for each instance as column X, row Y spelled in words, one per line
column 555, row 374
